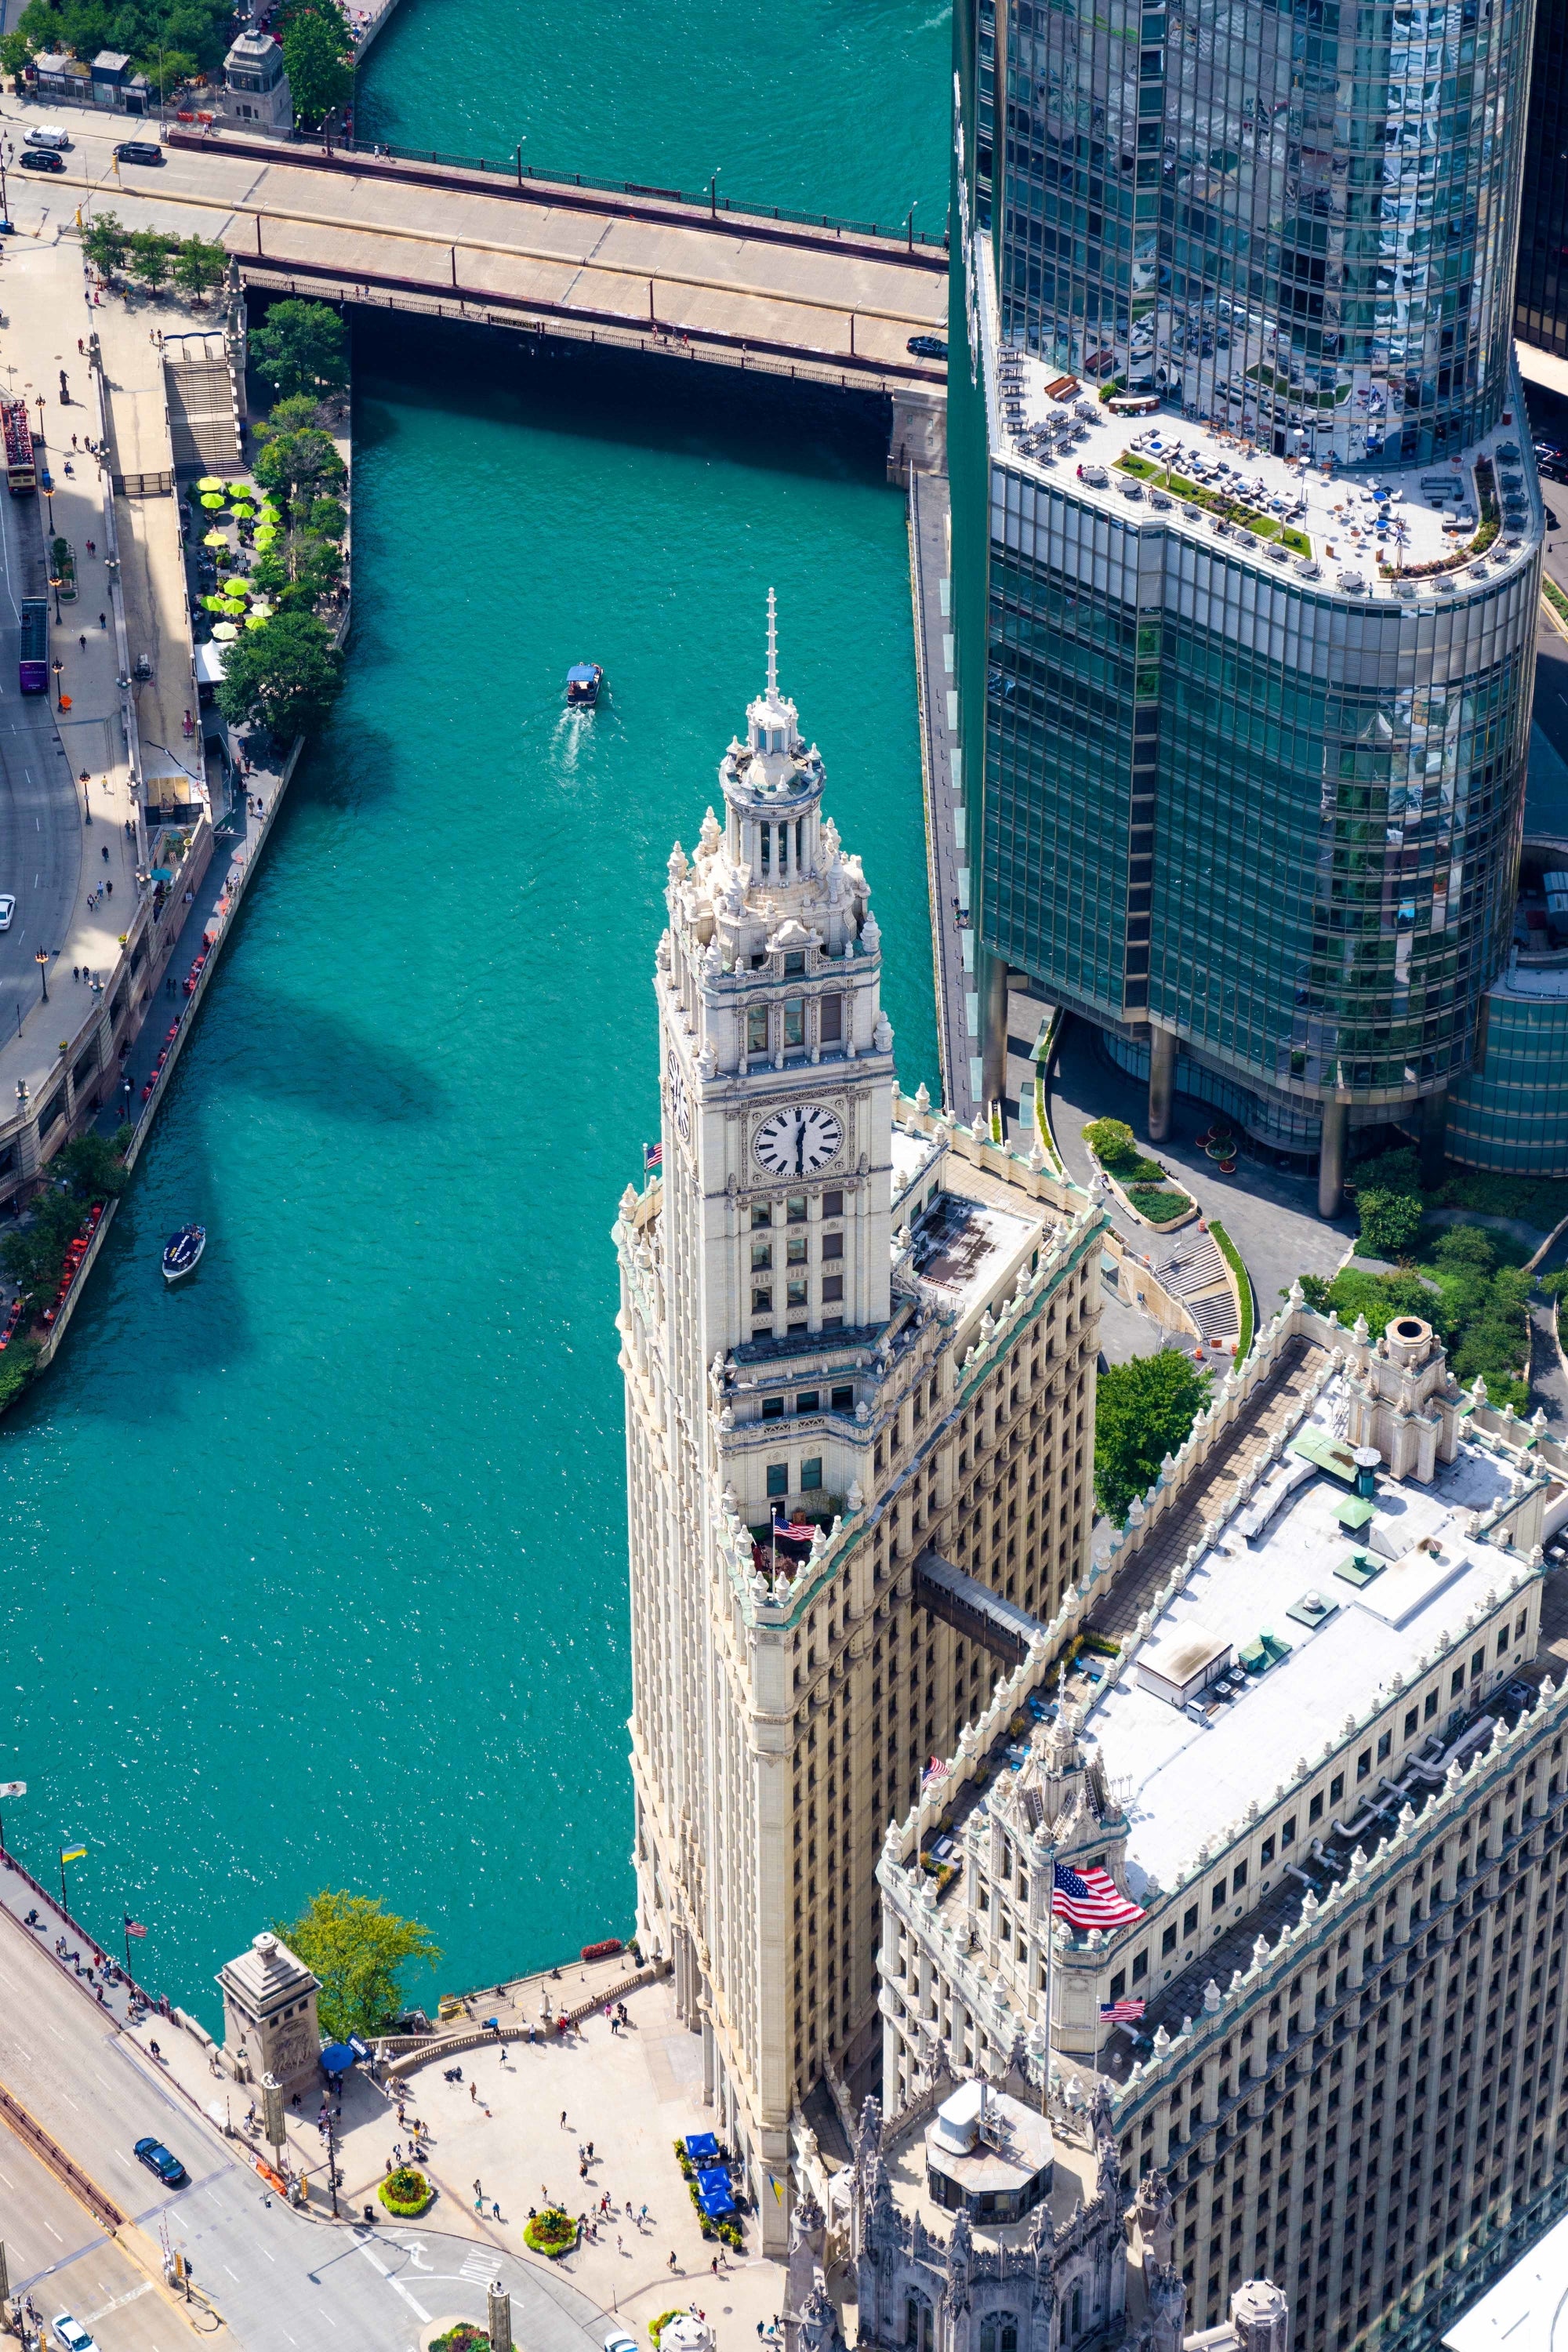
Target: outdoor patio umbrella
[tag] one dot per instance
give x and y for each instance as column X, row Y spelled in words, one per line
column 215, row 539
column 226, row 632
column 213, row 501
column 209, row 482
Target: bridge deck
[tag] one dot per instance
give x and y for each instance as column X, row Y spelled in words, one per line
column 415, row 235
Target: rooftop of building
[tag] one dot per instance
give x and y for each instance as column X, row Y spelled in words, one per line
column 1073, row 2181
column 1303, row 1623
column 1308, row 520
column 1521, row 2310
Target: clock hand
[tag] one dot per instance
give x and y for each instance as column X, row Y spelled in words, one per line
column 799, row 1142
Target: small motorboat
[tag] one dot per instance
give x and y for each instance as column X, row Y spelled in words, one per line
column 182, row 1252
column 584, row 680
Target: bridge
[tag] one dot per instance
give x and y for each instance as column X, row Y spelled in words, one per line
column 824, row 301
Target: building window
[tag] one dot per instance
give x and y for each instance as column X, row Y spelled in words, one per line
column 1217, row 1900
column 778, row 1478
column 772, row 1407
column 1140, row 1965
column 1363, row 1764
column 1167, row 1942
column 794, row 963
column 1336, row 1788
column 757, row 1029
column 761, row 1299
column 1315, row 1810
column 762, row 1257
column 1287, row 1831
column 1478, row 1665
column 832, row 1244
column 844, row 1399
column 1430, row 1709
column 794, row 1209
column 832, row 1020
column 832, row 1286
column 794, row 1022
column 810, row 1475
column 762, row 1214
column 1239, row 1878
column 833, row 1204
column 795, row 1294
column 1266, row 1853
column 1385, row 1747
column 794, row 1249
column 1190, row 1924
column 919, row 2332
column 808, row 1400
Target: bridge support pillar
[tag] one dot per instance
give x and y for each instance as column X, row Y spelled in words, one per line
column 918, row 443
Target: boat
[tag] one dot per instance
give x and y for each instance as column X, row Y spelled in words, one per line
column 584, row 680
column 182, row 1252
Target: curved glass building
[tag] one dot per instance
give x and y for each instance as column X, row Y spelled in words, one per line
column 1246, row 538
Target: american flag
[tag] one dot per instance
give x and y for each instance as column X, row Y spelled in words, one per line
column 652, row 1156
column 1121, row 2012
column 937, row 1768
column 1091, row 1898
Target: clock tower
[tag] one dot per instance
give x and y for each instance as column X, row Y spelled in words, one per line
column 834, row 1306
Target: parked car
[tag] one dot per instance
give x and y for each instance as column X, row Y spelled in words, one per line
column 43, row 159
column 8, row 908
column 46, row 139
column 139, row 150
column 927, row 347
column 69, row 2334
column 157, row 2159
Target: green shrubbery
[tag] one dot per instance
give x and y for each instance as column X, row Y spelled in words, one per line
column 1472, row 1297
column 1144, row 1411
column 553, row 2232
column 405, row 2192
column 91, row 1168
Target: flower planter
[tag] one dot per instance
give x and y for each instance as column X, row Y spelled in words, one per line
column 406, row 2193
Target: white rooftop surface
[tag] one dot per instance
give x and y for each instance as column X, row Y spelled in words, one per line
column 1340, row 511
column 1521, row 2310
column 963, row 1248
column 1189, row 1780
column 912, row 1154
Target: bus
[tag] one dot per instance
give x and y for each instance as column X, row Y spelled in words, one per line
column 21, row 468
column 34, row 677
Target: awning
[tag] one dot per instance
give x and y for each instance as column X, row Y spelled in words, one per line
column 336, row 2058
column 702, row 2148
column 714, row 2194
column 209, row 665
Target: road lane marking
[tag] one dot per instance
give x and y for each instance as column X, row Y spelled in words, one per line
column 234, row 2275
column 54, row 2233
column 118, row 2303
column 395, row 2285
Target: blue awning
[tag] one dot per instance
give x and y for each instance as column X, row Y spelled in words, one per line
column 336, row 2058
column 702, row 2148
column 582, row 674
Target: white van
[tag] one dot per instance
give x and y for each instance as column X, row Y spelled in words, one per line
column 59, row 140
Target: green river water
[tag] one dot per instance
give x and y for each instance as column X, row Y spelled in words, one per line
column 315, row 1571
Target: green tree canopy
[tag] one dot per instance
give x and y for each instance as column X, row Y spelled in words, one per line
column 356, row 1949
column 289, row 415
column 199, row 266
column 285, row 676
column 1390, row 1222
column 148, row 254
column 186, row 34
column 91, row 1168
column 318, row 58
column 293, row 463
column 300, row 348
column 1110, row 1140
column 1144, row 1411
column 103, row 241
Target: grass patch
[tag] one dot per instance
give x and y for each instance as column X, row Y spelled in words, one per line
column 1238, row 1265
column 1555, row 598
column 1161, row 1207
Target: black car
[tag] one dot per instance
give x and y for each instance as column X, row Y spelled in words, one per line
column 138, row 151
column 927, row 347
column 157, row 2159
column 1551, row 460
column 42, row 159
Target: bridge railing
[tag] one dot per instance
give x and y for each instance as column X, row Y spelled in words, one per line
column 706, row 200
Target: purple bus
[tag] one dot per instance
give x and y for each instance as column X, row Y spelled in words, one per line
column 34, row 663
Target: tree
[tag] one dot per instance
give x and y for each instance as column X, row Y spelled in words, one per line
column 291, row 416
column 285, row 676
column 199, row 266
column 147, row 251
column 328, row 517
column 15, row 53
column 1110, row 1140
column 1389, row 1222
column 103, row 242
column 91, row 1168
column 318, row 59
column 296, row 462
column 300, row 347
column 1144, row 1409
column 356, row 1949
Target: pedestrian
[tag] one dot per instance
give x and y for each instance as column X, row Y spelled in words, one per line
column 477, row 2190
column 93, row 547
column 473, row 2093
column 673, row 2262
column 479, row 2205
column 562, row 2118
column 715, row 2265
column 106, row 853
column 84, row 644
column 103, row 620
column 620, row 2248
column 495, row 2211
column 582, row 2172
column 590, row 2152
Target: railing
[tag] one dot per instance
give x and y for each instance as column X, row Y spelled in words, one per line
column 33, row 2136
column 520, row 174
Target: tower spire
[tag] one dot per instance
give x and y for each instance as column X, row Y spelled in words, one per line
column 773, row 648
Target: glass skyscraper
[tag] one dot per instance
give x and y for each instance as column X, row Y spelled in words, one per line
column 1541, row 299
column 1246, row 538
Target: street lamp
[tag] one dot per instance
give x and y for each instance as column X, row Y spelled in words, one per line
column 84, row 780
column 41, row 957
column 910, row 223
column 58, row 667
column 56, row 584
column 713, row 191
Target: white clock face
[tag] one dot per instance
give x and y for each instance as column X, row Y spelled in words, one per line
column 798, row 1140
column 680, row 1110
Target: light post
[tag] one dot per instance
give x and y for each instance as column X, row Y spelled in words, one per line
column 84, row 780
column 41, row 957
column 10, row 1789
column 58, row 667
column 56, row 584
column 713, row 191
column 909, row 224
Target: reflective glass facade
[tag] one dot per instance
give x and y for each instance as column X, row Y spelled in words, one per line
column 1511, row 1110
column 1295, row 219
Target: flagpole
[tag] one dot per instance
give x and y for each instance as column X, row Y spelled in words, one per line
column 128, row 1943
column 1050, row 1964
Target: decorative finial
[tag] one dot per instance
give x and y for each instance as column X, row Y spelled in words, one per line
column 773, row 648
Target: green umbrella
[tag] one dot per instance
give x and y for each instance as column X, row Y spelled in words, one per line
column 270, row 513
column 213, row 605
column 209, row 482
column 265, row 533
column 256, row 621
column 243, row 513
column 233, row 606
column 213, row 501
column 226, row 632
column 235, row 585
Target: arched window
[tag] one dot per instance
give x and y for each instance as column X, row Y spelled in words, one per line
column 999, row 2331
column 920, row 2333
